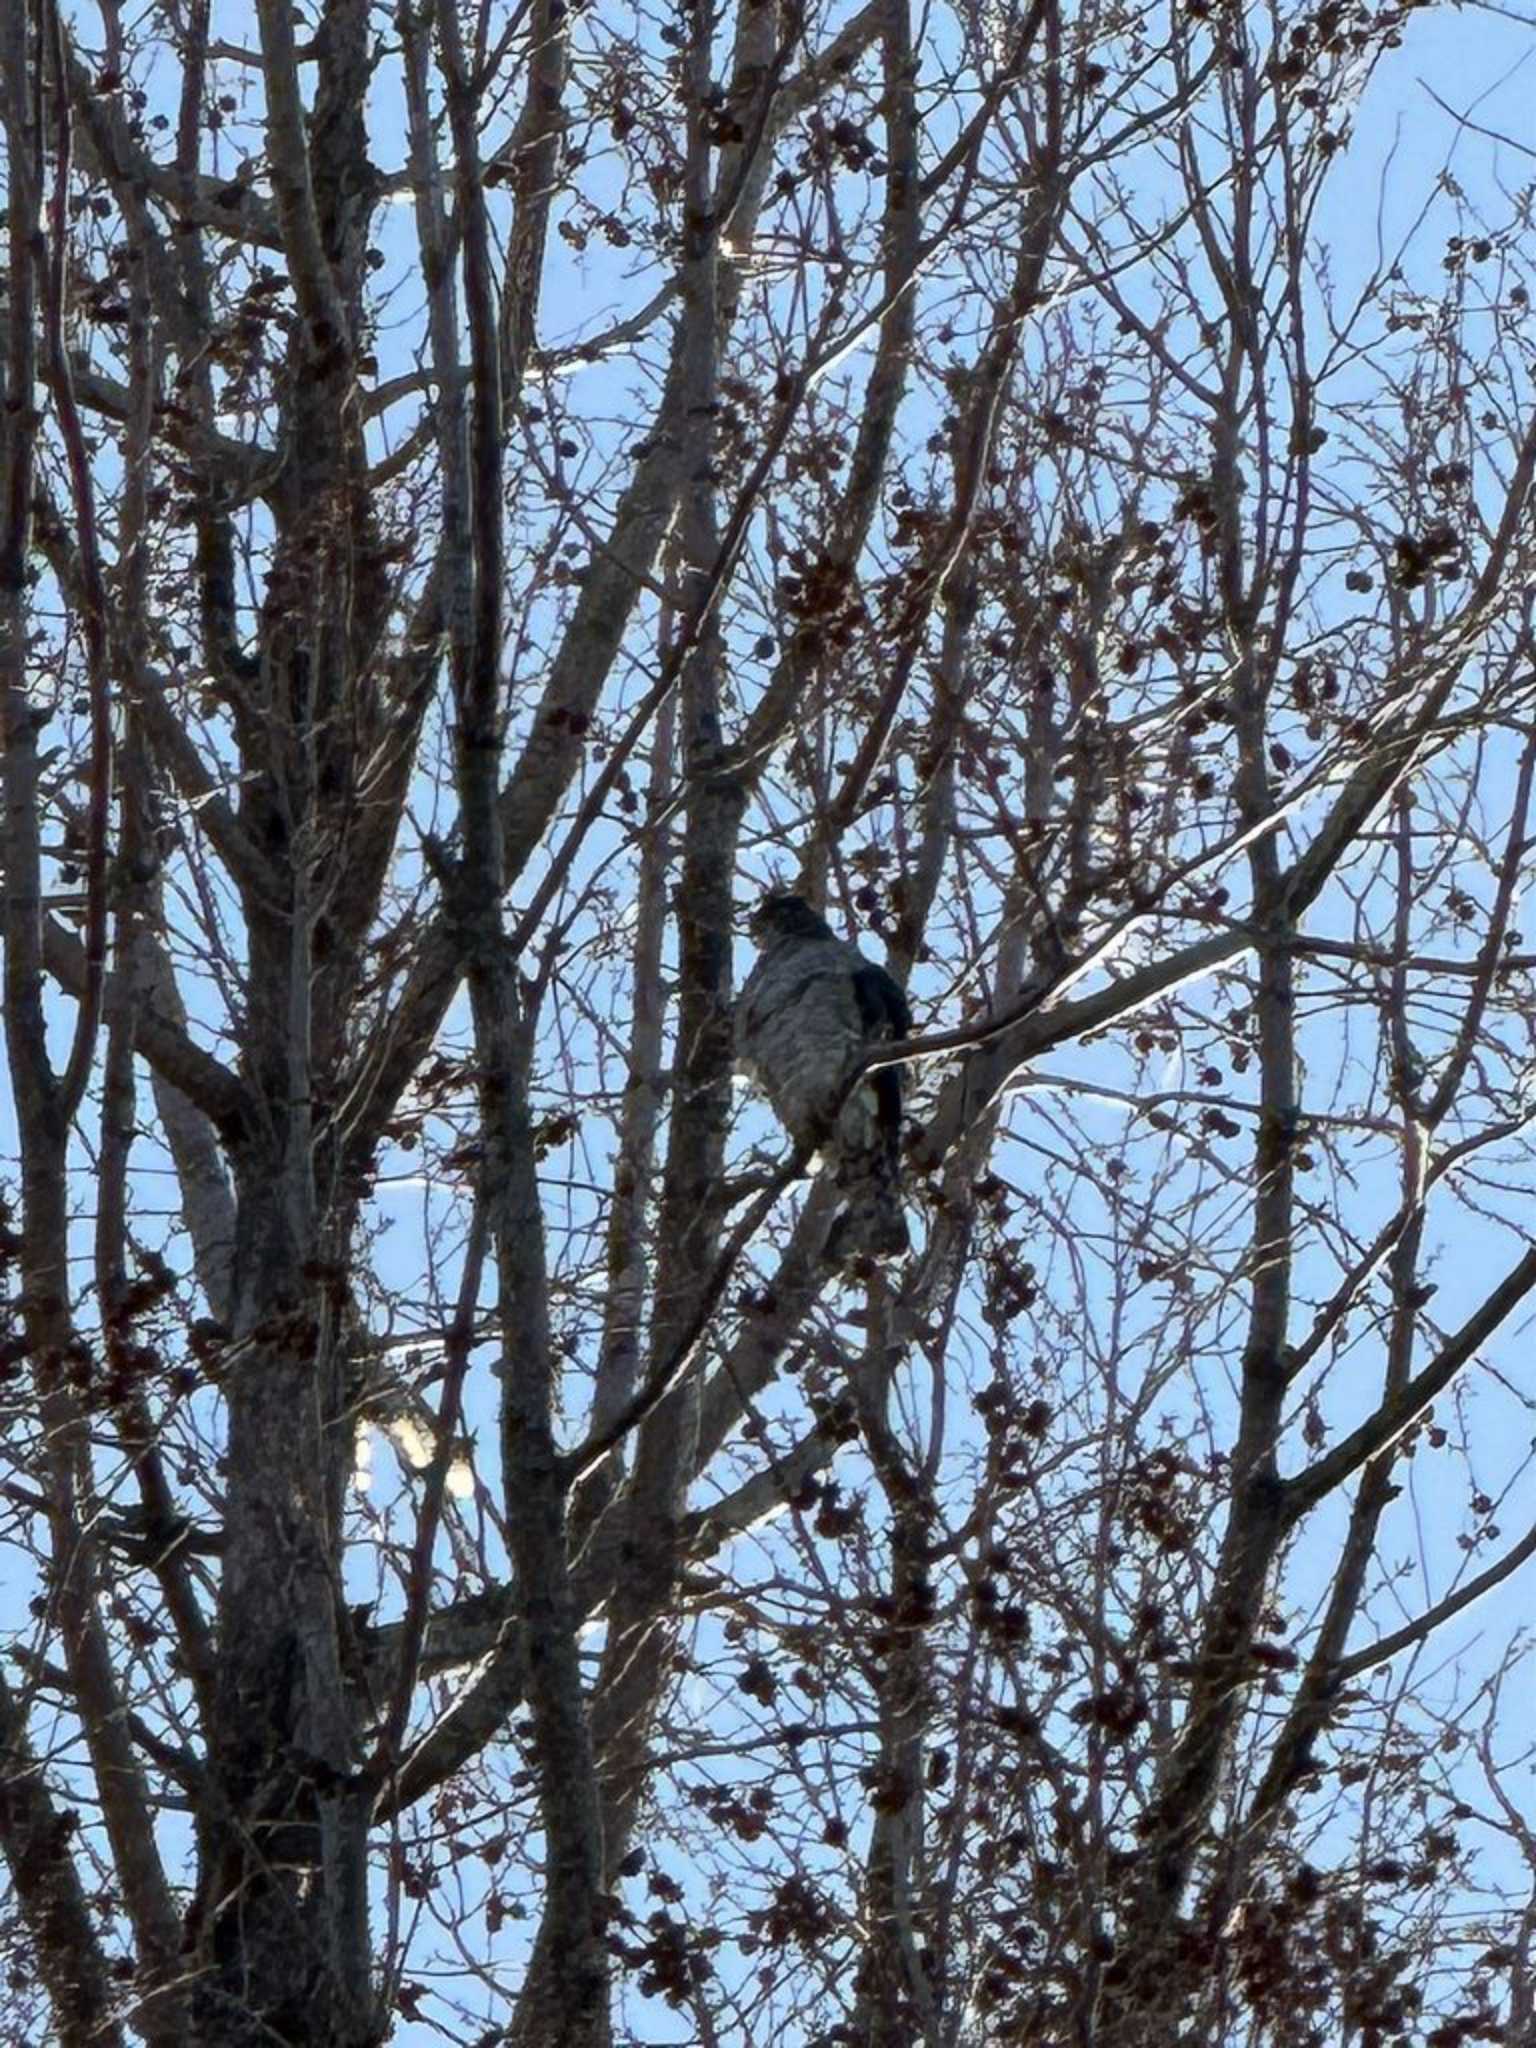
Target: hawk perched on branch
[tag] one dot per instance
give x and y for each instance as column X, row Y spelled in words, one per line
column 812, row 1006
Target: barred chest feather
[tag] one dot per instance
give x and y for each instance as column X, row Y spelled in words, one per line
column 800, row 1029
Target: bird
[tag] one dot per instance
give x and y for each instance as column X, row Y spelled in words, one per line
column 812, row 1007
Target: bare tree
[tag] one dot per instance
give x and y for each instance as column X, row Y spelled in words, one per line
column 489, row 490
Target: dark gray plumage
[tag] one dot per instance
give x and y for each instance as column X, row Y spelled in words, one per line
column 810, row 1009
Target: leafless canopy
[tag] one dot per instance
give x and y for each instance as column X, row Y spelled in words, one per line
column 489, row 487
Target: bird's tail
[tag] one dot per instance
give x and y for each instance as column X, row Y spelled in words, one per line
column 871, row 1223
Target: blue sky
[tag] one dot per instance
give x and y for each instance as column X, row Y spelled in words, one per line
column 1472, row 59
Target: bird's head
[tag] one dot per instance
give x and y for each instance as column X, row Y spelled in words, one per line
column 783, row 915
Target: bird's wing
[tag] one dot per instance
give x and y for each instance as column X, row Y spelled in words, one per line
column 883, row 1008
